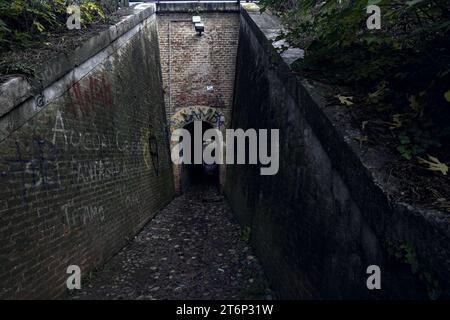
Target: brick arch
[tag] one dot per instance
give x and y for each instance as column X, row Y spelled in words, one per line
column 216, row 118
column 187, row 115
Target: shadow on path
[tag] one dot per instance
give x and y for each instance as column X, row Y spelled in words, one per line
column 191, row 250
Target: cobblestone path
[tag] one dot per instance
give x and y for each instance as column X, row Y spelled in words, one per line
column 191, row 250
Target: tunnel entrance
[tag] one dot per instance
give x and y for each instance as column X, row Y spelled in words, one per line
column 198, row 174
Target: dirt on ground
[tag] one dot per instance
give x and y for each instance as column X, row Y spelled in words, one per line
column 410, row 181
column 191, row 250
column 26, row 60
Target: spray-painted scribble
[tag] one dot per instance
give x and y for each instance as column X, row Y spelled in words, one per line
column 40, row 101
column 150, row 150
column 102, row 170
column 83, row 101
column 92, row 141
column 198, row 113
column 77, row 216
column 37, row 170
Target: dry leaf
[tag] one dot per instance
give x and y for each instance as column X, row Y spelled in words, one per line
column 447, row 96
column 434, row 164
column 361, row 138
column 397, row 121
column 414, row 104
column 345, row 100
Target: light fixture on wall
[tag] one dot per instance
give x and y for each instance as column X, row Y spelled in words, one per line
column 199, row 26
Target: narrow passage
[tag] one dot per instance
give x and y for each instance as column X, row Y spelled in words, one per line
column 191, row 250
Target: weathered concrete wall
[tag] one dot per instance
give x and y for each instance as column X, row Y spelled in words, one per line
column 83, row 165
column 198, row 71
column 324, row 218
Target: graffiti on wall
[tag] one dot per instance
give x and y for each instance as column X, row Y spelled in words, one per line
column 39, row 163
column 150, row 150
column 90, row 171
column 82, row 101
column 74, row 215
column 197, row 113
column 91, row 140
column 37, row 169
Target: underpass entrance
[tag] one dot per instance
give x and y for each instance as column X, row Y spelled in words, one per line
column 198, row 174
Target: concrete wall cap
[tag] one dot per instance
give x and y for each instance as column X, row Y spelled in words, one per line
column 16, row 90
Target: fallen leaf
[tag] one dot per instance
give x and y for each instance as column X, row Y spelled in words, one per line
column 447, row 96
column 345, row 100
column 434, row 164
column 397, row 121
column 361, row 138
column 414, row 104
column 364, row 124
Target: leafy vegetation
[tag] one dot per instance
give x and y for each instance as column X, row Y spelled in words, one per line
column 402, row 71
column 24, row 21
column 404, row 252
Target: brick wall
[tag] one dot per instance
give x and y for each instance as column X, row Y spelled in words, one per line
column 86, row 173
column 191, row 63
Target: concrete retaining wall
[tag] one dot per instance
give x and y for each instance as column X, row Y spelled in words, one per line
column 319, row 223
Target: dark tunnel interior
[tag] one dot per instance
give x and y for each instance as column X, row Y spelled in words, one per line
column 198, row 174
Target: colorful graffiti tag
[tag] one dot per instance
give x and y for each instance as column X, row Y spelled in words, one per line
column 83, row 100
column 198, row 113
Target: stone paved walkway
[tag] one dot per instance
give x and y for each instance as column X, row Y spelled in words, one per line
column 191, row 250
